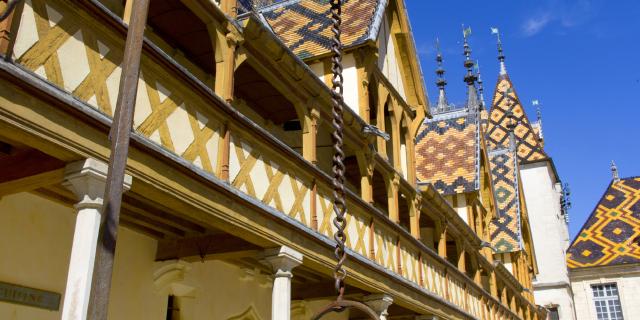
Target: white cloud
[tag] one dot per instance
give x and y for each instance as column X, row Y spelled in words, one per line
column 535, row 24
column 564, row 13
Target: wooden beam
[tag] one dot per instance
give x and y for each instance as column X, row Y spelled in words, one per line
column 31, row 183
column 5, row 149
column 25, row 162
column 318, row 290
column 215, row 246
column 139, row 204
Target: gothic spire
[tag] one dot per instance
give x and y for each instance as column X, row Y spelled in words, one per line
column 470, row 78
column 443, row 104
column 503, row 68
column 614, row 172
column 480, row 85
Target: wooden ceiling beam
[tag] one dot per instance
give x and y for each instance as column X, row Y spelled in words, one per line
column 25, row 162
column 212, row 246
column 137, row 203
column 32, row 182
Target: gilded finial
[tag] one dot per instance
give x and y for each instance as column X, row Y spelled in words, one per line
column 614, row 172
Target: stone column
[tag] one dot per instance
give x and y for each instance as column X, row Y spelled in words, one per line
column 86, row 179
column 282, row 260
column 379, row 303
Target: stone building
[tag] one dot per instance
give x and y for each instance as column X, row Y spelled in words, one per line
column 227, row 213
column 604, row 258
column 544, row 220
column 490, row 165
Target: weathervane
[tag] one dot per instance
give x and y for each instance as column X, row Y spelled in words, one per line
column 503, row 68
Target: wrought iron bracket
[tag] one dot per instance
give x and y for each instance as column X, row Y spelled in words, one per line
column 373, row 130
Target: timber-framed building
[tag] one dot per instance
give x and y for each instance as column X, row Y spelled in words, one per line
column 227, row 213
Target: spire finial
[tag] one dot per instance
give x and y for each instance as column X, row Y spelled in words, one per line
column 614, row 171
column 503, row 68
column 443, row 104
column 536, row 103
column 470, row 78
column 480, row 85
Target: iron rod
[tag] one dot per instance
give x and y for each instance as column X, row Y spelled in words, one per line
column 119, row 137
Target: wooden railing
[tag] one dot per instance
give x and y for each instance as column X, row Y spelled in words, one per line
column 81, row 53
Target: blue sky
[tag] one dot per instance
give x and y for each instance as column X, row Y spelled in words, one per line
column 579, row 58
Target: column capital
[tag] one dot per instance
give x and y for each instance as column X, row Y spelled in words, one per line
column 395, row 180
column 282, row 260
column 379, row 302
column 87, row 180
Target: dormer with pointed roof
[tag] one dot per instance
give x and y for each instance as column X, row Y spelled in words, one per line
column 506, row 228
column 448, row 145
column 505, row 102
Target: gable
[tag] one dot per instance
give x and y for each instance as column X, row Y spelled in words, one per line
column 529, row 147
column 608, row 235
column 387, row 59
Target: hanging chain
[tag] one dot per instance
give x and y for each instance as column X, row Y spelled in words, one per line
column 339, row 206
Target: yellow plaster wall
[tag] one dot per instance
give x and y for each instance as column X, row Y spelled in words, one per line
column 133, row 293
column 224, row 291
column 35, row 246
column 351, row 86
column 387, row 60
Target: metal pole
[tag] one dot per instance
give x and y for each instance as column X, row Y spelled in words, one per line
column 119, row 136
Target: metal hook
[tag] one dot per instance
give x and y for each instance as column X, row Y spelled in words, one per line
column 340, row 305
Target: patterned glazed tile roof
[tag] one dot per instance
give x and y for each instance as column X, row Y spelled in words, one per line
column 506, row 100
column 447, row 152
column 608, row 235
column 505, row 228
column 305, row 27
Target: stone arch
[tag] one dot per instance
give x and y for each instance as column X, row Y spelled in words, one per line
column 249, row 314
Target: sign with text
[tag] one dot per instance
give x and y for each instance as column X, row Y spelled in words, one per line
column 29, row 296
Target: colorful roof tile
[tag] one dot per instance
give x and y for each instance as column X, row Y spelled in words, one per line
column 447, row 152
column 611, row 234
column 505, row 228
column 506, row 101
column 305, row 25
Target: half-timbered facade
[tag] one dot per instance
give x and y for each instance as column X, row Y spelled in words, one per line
column 228, row 208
